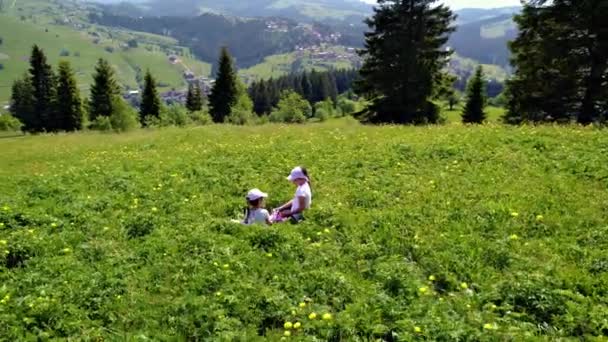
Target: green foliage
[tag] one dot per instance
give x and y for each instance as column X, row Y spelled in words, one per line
column 404, row 60
column 22, row 104
column 150, row 102
column 241, row 113
column 415, row 233
column 174, row 115
column 324, row 110
column 103, row 90
column 201, row 118
column 292, row 108
column 43, row 84
column 194, row 100
column 69, row 113
column 224, row 93
column 476, row 99
column 560, row 58
column 347, row 106
column 9, row 123
column 123, row 118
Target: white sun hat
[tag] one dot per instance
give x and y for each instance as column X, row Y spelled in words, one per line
column 297, row 173
column 255, row 194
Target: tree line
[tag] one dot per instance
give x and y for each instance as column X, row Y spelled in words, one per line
column 313, row 86
column 47, row 101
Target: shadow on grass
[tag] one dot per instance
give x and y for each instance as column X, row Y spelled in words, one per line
column 11, row 135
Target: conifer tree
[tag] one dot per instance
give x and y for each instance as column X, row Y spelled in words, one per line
column 69, row 113
column 560, row 59
column 43, row 85
column 476, row 99
column 194, row 100
column 22, row 104
column 150, row 102
column 224, row 92
column 404, row 55
column 103, row 90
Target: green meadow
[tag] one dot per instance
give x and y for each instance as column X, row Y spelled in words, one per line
column 487, row 233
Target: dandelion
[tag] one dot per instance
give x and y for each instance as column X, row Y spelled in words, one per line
column 326, row 231
column 53, row 225
column 432, row 278
column 539, row 218
column 312, row 316
column 464, row 286
column 302, row 305
column 515, row 214
column 226, row 266
column 269, row 255
column 423, row 290
column 6, row 208
column 105, row 229
column 288, row 325
column 298, row 325
column 417, row 330
column 490, row 326
column 154, row 209
column 66, row 250
column 287, row 333
column 1, row 224
column 215, row 264
column 3, row 242
column 327, row 317
column 218, row 293
column 513, row 237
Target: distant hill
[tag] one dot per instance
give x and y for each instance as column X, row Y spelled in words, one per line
column 69, row 37
column 303, row 10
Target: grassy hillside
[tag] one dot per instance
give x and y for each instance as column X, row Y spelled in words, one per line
column 85, row 44
column 484, row 233
column 279, row 65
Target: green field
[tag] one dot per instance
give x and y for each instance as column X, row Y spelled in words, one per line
column 485, row 233
column 38, row 28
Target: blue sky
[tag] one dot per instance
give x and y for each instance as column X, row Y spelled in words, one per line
column 456, row 4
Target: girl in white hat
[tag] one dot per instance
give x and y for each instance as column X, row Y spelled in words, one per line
column 255, row 212
column 302, row 200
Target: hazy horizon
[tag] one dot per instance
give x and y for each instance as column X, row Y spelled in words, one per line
column 459, row 4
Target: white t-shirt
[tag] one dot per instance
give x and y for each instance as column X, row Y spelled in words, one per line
column 257, row 216
column 302, row 191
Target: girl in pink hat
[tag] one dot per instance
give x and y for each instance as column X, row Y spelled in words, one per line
column 301, row 201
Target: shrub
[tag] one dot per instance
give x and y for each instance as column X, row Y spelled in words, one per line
column 101, row 123
column 9, row 123
column 64, row 53
column 109, row 49
column 292, row 108
column 346, row 106
column 174, row 115
column 240, row 117
column 124, row 117
column 201, row 118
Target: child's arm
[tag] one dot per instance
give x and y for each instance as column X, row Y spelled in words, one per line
column 302, row 207
column 285, row 206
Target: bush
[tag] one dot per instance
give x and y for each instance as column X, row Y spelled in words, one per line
column 201, row 118
column 124, row 118
column 64, row 53
column 109, row 49
column 102, row 123
column 346, row 106
column 240, row 117
column 9, row 123
column 174, row 115
column 292, row 108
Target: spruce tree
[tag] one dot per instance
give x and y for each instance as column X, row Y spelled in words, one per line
column 43, row 84
column 404, row 56
column 307, row 91
column 560, row 59
column 224, row 92
column 476, row 99
column 150, row 103
column 69, row 113
column 22, row 104
column 194, row 100
column 103, row 90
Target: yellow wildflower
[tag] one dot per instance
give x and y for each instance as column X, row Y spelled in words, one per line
column 312, row 316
